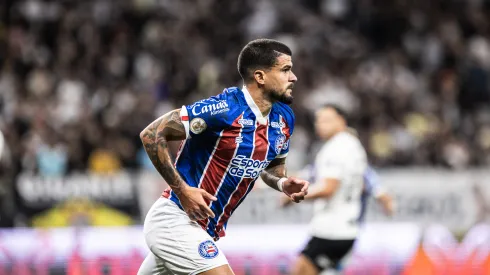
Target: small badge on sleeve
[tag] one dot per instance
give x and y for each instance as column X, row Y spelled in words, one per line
column 280, row 143
column 197, row 125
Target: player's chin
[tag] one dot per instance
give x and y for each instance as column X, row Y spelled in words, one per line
column 287, row 99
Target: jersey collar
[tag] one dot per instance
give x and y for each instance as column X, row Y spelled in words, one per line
column 255, row 109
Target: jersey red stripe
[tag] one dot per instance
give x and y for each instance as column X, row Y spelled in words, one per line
column 260, row 153
column 222, row 157
column 285, row 129
column 181, row 147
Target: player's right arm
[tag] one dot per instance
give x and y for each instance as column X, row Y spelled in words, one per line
column 387, row 203
column 155, row 138
column 373, row 187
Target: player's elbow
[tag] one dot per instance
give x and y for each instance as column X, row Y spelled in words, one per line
column 263, row 175
column 143, row 134
column 146, row 136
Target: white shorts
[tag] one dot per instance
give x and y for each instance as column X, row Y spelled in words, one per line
column 178, row 245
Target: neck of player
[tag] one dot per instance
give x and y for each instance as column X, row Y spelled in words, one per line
column 261, row 99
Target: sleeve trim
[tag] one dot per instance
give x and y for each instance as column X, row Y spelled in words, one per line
column 184, row 117
column 282, row 156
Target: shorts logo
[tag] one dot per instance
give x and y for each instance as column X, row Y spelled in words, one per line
column 279, row 145
column 197, row 125
column 208, row 250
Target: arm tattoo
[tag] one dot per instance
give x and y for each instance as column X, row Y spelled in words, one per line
column 155, row 139
column 275, row 171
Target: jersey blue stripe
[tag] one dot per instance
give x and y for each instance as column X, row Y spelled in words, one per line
column 226, row 191
column 193, row 160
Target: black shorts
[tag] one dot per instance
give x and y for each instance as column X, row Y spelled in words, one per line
column 325, row 253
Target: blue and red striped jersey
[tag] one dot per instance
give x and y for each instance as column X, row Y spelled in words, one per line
column 229, row 142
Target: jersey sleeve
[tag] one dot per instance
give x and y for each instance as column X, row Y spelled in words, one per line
column 287, row 127
column 205, row 115
column 334, row 161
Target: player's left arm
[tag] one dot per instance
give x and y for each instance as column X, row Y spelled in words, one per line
column 276, row 177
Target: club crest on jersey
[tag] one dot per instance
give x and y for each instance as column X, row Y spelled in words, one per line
column 286, row 145
column 280, row 143
column 208, row 250
column 197, row 125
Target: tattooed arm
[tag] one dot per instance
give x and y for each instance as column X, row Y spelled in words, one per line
column 274, row 172
column 275, row 176
column 155, row 138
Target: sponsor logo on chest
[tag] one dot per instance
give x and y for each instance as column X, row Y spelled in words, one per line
column 213, row 109
column 277, row 124
column 242, row 166
column 246, row 122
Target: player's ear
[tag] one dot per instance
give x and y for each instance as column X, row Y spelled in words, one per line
column 259, row 76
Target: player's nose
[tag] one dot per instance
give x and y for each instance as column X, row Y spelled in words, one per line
column 292, row 77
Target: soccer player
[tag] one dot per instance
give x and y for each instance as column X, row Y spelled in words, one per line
column 339, row 171
column 229, row 140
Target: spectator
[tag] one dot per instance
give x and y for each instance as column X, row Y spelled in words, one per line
column 415, row 77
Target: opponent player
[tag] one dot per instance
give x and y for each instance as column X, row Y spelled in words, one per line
column 371, row 187
column 339, row 170
column 230, row 139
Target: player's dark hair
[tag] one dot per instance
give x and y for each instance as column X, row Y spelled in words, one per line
column 260, row 54
column 339, row 110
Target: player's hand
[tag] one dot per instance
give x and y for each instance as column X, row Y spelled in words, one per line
column 295, row 189
column 193, row 200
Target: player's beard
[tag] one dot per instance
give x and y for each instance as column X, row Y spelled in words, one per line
column 283, row 96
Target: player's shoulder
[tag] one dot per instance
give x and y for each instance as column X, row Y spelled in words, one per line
column 282, row 116
column 235, row 100
column 228, row 95
column 284, row 110
column 286, row 113
column 225, row 102
column 233, row 95
column 341, row 143
column 345, row 138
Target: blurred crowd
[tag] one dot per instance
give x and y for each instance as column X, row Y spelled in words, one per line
column 79, row 80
